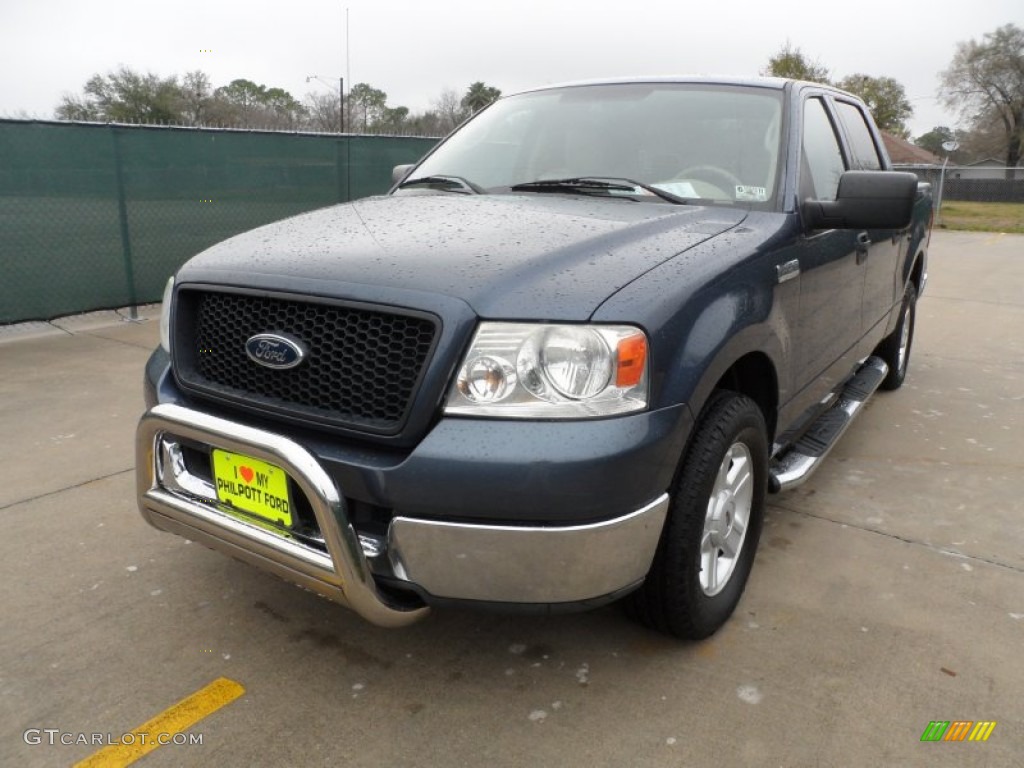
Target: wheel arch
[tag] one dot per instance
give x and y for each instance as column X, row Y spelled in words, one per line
column 917, row 271
column 747, row 365
column 754, row 376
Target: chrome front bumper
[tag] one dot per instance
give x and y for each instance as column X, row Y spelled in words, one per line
column 506, row 564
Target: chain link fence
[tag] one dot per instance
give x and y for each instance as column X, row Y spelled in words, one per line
column 963, row 183
column 98, row 216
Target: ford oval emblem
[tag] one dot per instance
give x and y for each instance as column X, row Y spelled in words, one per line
column 275, row 350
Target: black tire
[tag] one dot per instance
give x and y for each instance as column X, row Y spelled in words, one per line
column 673, row 598
column 890, row 348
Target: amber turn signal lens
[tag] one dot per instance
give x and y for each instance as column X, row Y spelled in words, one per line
column 632, row 360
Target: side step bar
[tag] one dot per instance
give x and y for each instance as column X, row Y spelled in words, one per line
column 798, row 462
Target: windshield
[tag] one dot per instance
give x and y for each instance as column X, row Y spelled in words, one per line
column 701, row 143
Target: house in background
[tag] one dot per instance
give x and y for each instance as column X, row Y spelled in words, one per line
column 980, row 181
column 989, row 168
column 903, row 153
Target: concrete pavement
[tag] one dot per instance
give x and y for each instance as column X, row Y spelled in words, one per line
column 888, row 592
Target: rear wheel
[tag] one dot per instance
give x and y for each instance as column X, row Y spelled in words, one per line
column 895, row 349
column 713, row 526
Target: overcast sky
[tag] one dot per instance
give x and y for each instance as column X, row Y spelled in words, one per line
column 413, row 49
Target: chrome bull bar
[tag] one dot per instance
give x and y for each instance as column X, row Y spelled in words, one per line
column 342, row 574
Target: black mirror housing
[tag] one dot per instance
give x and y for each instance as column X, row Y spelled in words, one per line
column 866, row 200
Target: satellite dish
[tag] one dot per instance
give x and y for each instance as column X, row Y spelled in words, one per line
column 951, row 146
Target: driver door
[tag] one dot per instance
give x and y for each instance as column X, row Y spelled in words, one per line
column 831, row 279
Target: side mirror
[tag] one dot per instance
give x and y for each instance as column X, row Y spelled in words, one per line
column 866, row 200
column 399, row 172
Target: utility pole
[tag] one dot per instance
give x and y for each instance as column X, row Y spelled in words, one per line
column 348, row 69
column 348, row 48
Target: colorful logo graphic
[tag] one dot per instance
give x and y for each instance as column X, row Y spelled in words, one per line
column 958, row 730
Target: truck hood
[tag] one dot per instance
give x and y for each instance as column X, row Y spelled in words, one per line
column 529, row 257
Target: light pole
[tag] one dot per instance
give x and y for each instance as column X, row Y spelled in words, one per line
column 341, row 98
column 948, row 146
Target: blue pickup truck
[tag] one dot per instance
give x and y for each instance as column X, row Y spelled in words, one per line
column 560, row 363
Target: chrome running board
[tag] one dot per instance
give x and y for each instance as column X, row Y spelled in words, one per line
column 797, row 463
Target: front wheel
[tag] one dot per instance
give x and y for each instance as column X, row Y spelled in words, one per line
column 713, row 526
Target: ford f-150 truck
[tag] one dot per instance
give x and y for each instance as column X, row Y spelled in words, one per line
column 560, row 363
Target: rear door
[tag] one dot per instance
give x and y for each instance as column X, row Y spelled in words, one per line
column 881, row 256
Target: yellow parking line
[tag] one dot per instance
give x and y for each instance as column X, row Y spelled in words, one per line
column 994, row 238
column 176, row 719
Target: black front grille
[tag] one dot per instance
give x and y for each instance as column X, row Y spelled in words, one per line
column 362, row 370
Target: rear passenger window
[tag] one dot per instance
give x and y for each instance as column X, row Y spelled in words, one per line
column 822, row 162
column 865, row 154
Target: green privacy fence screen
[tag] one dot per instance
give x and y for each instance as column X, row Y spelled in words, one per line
column 98, row 216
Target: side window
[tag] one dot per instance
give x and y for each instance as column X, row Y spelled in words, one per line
column 865, row 154
column 822, row 163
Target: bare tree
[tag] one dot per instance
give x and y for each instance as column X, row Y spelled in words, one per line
column 985, row 81
column 984, row 141
column 449, row 109
column 322, row 109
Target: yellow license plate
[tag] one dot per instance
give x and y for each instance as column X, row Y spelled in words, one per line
column 253, row 486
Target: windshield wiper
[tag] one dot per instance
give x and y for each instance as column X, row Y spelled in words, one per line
column 453, row 183
column 598, row 183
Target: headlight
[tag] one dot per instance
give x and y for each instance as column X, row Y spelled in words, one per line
column 165, row 316
column 532, row 371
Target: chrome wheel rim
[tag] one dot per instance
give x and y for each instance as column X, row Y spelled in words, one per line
column 726, row 519
column 901, row 359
